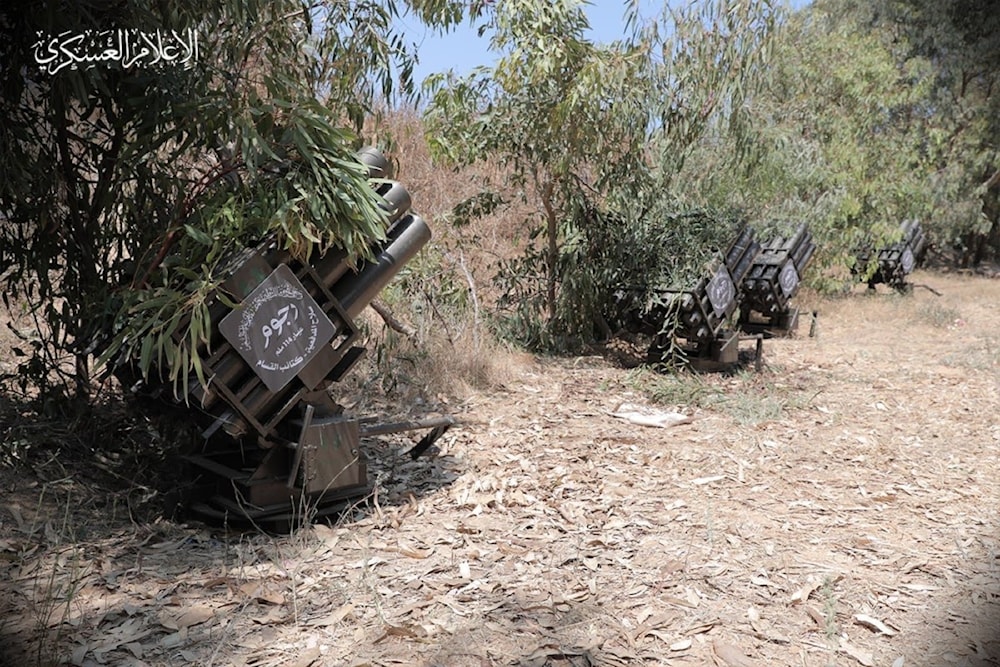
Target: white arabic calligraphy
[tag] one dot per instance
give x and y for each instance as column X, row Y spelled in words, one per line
column 126, row 47
column 277, row 324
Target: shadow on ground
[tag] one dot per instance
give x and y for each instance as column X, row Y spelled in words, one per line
column 94, row 569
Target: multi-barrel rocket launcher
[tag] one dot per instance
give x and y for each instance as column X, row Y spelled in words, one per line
column 694, row 321
column 774, row 278
column 895, row 262
column 275, row 441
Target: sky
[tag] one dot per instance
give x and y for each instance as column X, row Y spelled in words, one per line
column 462, row 49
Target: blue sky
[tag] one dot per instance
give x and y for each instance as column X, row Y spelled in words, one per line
column 462, row 49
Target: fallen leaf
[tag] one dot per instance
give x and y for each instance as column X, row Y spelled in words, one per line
column 707, row 480
column 653, row 623
column 174, row 639
column 216, row 581
column 185, row 619
column 260, row 592
column 679, row 601
column 682, row 645
column 920, row 588
column 862, row 656
column 413, row 552
column 700, row 628
column 874, row 624
column 396, row 631
column 730, row 655
column 543, row 655
column 802, row 594
column 79, row 653
column 816, row 616
column 275, row 614
column 753, row 615
column 673, row 565
column 306, row 658
column 336, row 617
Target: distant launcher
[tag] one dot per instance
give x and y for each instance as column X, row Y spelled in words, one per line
column 774, row 278
column 692, row 323
column 896, row 262
column 274, row 440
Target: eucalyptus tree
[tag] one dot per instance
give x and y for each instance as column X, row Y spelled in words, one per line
column 587, row 130
column 837, row 141
column 874, row 112
column 126, row 177
column 961, row 41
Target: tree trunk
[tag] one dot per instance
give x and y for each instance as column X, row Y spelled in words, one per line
column 991, row 209
column 552, row 251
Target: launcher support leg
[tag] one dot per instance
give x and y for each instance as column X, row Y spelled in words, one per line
column 438, row 426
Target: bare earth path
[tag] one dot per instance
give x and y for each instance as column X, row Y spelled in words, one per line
column 840, row 508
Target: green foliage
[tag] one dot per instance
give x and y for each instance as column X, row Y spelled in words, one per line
column 609, row 269
column 124, row 190
column 593, row 136
column 961, row 138
column 831, row 144
column 854, row 145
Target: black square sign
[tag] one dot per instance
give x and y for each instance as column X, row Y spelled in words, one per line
column 721, row 291
column 278, row 329
column 788, row 279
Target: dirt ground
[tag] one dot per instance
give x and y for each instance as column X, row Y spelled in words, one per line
column 840, row 507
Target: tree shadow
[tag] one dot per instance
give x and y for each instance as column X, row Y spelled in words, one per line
column 94, row 568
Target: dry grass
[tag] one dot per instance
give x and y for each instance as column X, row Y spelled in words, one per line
column 435, row 364
column 436, row 189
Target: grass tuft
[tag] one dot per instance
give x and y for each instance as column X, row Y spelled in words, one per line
column 748, row 398
column 937, row 315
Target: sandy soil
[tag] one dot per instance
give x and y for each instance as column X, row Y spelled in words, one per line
column 841, row 507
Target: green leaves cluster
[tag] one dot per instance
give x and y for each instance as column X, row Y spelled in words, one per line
column 592, row 133
column 873, row 113
column 123, row 191
column 830, row 144
column 848, row 116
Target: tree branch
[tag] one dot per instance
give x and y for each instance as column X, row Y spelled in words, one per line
column 172, row 231
column 390, row 319
column 993, row 181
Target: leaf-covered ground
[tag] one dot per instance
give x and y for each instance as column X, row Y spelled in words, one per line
column 841, row 507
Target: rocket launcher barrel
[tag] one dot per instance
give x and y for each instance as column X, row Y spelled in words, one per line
column 406, row 238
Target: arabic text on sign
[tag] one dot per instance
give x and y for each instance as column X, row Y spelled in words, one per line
column 288, row 341
column 277, row 324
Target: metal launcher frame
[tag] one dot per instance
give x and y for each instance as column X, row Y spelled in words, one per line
column 701, row 313
column 896, row 261
column 276, row 445
column 774, row 278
